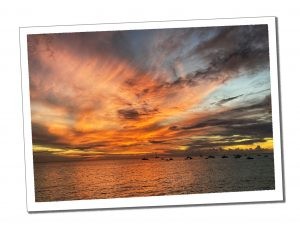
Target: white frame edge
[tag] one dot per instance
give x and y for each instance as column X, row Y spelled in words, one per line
column 174, row 200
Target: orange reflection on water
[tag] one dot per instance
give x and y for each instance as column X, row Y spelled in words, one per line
column 155, row 177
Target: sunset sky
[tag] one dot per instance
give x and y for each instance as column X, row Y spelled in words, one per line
column 103, row 94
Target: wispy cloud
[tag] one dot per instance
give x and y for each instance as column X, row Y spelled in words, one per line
column 222, row 101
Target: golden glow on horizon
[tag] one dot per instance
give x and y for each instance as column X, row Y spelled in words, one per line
column 183, row 147
column 39, row 148
column 268, row 144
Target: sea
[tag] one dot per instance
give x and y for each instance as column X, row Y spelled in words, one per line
column 102, row 179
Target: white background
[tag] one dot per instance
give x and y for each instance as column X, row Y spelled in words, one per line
column 14, row 14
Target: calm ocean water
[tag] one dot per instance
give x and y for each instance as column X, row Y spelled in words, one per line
column 58, row 181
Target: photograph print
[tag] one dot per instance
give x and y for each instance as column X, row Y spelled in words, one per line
column 150, row 112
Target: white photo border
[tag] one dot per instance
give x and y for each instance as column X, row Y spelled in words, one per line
column 276, row 195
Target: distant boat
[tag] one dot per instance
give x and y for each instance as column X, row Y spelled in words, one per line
column 250, row 157
column 210, row 156
column 224, row 156
column 168, row 159
column 188, row 158
column 145, row 159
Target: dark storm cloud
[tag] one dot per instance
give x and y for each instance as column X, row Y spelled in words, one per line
column 156, row 141
column 240, row 116
column 244, row 127
column 258, row 130
column 174, row 128
column 264, row 105
column 135, row 113
column 252, row 122
column 236, row 47
column 41, row 135
column 94, row 145
column 130, row 114
column 234, row 133
column 221, row 122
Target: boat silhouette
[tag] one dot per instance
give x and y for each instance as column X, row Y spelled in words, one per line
column 169, row 159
